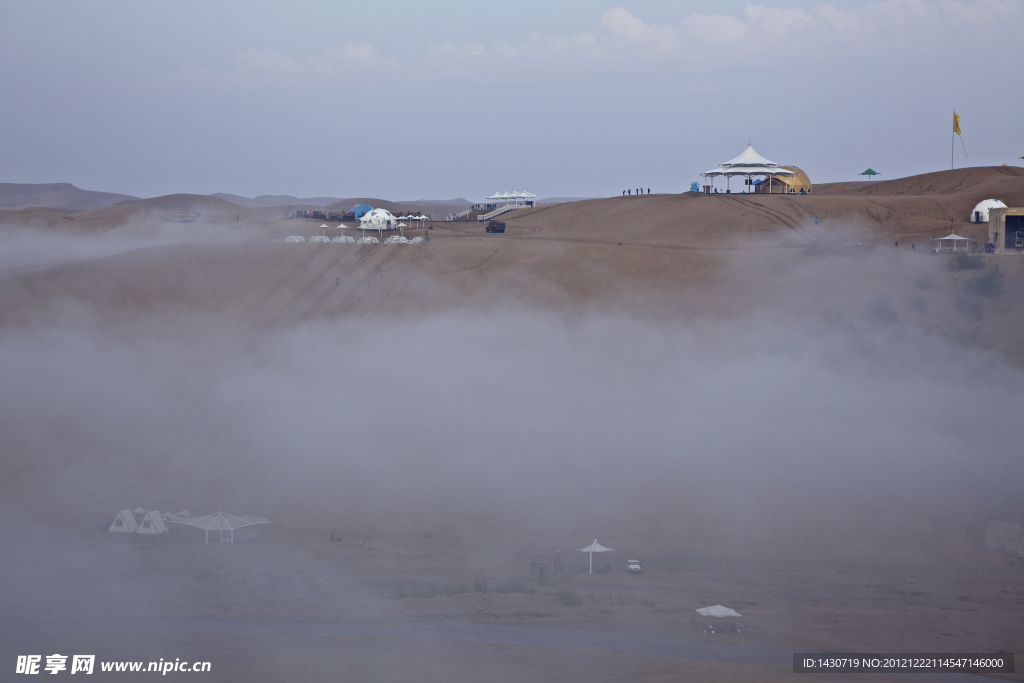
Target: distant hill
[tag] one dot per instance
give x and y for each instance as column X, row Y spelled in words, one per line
column 55, row 196
column 268, row 200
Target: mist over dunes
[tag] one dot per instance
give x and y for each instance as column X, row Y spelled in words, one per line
column 691, row 379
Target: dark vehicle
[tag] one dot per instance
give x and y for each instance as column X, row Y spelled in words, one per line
column 495, row 226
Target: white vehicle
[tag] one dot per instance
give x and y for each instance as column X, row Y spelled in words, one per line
column 633, row 566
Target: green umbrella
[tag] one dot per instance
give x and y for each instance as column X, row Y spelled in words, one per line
column 870, row 172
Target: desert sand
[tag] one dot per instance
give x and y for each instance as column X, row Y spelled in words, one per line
column 171, row 317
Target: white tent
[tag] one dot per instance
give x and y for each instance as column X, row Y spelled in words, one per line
column 749, row 163
column 124, row 522
column 595, row 547
column 184, row 513
column 980, row 212
column 377, row 219
column 152, row 523
column 139, row 511
column 221, row 522
column 718, row 611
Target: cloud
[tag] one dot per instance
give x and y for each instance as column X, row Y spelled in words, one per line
column 759, row 35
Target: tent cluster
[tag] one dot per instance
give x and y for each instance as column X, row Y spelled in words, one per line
column 516, row 197
column 153, row 522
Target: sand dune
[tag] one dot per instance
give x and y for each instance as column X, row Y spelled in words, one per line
column 681, row 255
column 55, row 195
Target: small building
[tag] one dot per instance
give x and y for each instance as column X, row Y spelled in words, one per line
column 980, row 213
column 124, row 523
column 1005, row 230
column 152, row 523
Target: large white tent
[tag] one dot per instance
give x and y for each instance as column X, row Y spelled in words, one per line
column 748, row 164
column 980, row 212
column 377, row 219
column 595, row 547
column 221, row 522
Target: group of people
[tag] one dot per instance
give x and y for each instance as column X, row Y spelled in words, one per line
column 638, row 191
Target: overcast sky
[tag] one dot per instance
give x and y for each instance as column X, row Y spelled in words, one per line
column 460, row 98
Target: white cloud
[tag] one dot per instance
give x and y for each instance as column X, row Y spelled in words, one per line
column 812, row 37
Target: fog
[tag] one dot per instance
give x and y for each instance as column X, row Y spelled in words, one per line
column 741, row 433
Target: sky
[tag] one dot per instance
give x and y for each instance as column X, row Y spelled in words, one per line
column 434, row 100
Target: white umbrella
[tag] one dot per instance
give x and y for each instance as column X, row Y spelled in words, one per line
column 324, row 225
column 595, row 547
column 221, row 522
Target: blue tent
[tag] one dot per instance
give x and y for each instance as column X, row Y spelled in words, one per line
column 360, row 209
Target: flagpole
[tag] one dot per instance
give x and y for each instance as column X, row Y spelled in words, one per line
column 952, row 142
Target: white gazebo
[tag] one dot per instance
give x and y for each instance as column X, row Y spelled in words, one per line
column 595, row 547
column 748, row 164
column 221, row 522
column 952, row 243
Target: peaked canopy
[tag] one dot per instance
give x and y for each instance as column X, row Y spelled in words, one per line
column 596, row 547
column 749, row 157
column 718, row 611
column 748, row 163
column 870, row 172
column 221, row 522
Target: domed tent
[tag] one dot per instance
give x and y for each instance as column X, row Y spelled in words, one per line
column 980, row 212
column 359, row 209
column 378, row 219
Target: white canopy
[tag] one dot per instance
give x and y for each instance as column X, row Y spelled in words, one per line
column 952, row 236
column 718, row 611
column 595, row 547
column 324, row 225
column 749, row 157
column 221, row 522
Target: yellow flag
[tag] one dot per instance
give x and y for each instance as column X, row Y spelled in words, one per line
column 956, row 123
